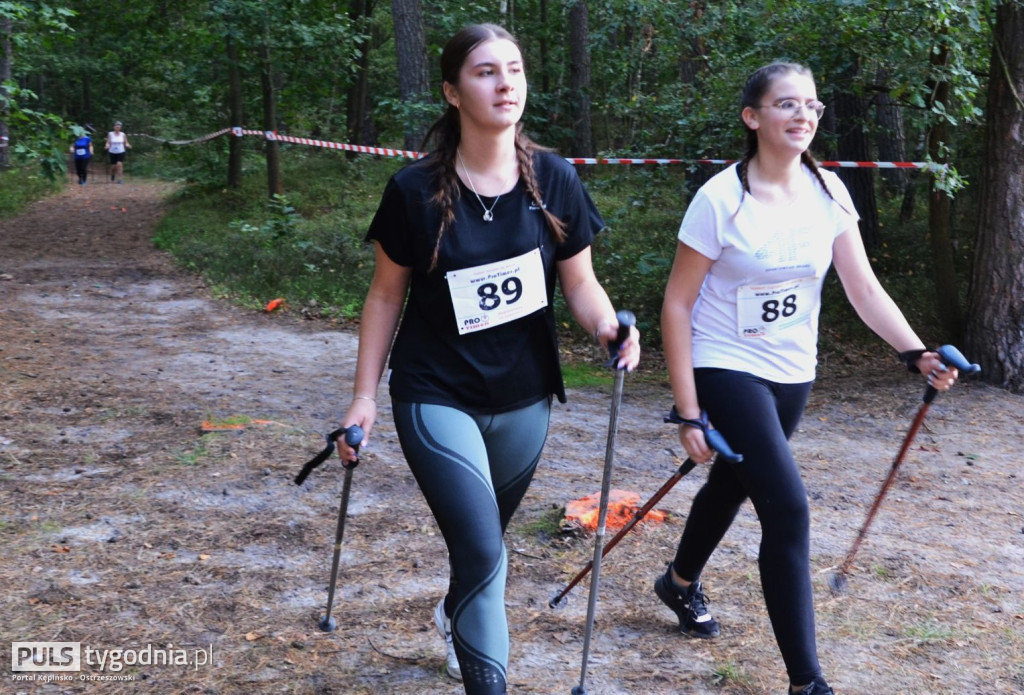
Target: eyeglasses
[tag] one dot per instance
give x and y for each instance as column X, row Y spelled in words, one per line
column 792, row 106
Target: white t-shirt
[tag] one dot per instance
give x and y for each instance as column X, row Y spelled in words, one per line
column 116, row 141
column 758, row 308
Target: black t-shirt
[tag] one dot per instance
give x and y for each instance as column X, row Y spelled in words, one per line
column 505, row 367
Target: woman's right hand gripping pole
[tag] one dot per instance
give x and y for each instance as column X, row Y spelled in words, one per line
column 381, row 312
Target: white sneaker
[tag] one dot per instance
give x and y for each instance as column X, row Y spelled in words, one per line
column 444, row 628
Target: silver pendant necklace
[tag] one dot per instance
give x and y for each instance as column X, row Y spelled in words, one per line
column 488, row 212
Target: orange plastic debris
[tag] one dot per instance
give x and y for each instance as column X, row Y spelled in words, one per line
column 273, row 304
column 622, row 507
column 211, row 426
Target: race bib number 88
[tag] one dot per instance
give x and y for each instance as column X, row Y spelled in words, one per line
column 764, row 310
column 495, row 293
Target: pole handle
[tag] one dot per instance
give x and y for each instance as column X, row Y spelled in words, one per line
column 626, row 321
column 353, row 437
column 714, row 438
column 951, row 357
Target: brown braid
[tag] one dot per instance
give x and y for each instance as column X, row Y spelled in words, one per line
column 446, row 133
column 808, row 160
column 744, row 167
column 525, row 149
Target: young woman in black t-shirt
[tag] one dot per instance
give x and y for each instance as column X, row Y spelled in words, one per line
column 471, row 241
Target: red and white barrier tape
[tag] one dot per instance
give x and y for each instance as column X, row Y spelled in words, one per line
column 408, row 154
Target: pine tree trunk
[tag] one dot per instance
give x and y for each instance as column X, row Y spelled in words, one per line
column 359, row 13
column 579, row 81
column 274, row 185
column 891, row 140
column 413, row 80
column 6, row 58
column 995, row 318
column 236, row 115
column 854, row 145
column 939, row 233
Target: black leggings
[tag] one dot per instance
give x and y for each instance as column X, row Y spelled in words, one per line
column 473, row 471
column 757, row 418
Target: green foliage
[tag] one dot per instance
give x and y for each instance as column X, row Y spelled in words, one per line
column 39, row 135
column 305, row 247
column 666, row 80
column 632, row 258
column 22, row 185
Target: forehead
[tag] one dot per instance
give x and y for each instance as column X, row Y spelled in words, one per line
column 792, row 84
column 493, row 52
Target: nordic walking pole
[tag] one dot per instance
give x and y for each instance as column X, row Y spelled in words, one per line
column 950, row 357
column 353, row 437
column 626, row 321
column 715, row 440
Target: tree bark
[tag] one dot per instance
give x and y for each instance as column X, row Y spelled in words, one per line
column 235, row 114
column 413, row 79
column 6, row 58
column 854, row 145
column 995, row 317
column 939, row 232
column 891, row 140
column 579, row 80
column 274, row 186
column 358, row 95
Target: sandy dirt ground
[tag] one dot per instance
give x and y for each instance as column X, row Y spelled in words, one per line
column 124, row 526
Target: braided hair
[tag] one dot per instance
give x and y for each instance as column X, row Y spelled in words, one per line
column 446, row 133
column 757, row 85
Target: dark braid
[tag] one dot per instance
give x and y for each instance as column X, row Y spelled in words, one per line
column 811, row 163
column 445, row 132
column 525, row 149
column 744, row 166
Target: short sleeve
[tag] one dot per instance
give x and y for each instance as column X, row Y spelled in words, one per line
column 840, row 194
column 390, row 226
column 699, row 228
column 577, row 209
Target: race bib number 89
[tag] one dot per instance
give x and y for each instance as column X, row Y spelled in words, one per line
column 764, row 310
column 495, row 293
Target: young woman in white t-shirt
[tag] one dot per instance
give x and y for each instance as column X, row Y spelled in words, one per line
column 740, row 326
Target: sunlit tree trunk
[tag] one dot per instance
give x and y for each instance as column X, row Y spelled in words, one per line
column 995, row 317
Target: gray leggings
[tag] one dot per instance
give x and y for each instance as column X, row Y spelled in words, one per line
column 473, row 471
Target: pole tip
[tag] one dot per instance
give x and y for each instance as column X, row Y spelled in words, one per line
column 328, row 624
column 837, row 583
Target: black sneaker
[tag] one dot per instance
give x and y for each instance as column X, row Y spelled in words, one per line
column 816, row 687
column 690, row 605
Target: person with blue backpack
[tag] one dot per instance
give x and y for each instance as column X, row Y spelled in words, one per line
column 82, row 150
